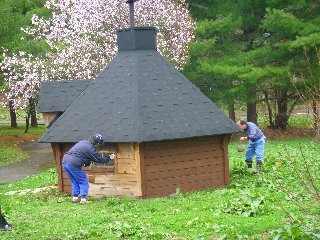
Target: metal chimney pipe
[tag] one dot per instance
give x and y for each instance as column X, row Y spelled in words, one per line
column 131, row 12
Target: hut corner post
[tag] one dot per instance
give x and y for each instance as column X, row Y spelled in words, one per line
column 58, row 155
column 226, row 140
column 139, row 150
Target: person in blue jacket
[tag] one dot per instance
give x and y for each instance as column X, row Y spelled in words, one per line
column 81, row 155
column 255, row 145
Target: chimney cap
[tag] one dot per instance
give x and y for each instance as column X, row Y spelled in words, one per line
column 137, row 38
column 136, row 28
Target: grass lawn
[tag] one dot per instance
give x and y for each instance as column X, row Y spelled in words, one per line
column 10, row 138
column 21, row 114
column 302, row 120
column 264, row 206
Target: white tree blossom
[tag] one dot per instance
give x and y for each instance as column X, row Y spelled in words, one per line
column 82, row 39
column 24, row 74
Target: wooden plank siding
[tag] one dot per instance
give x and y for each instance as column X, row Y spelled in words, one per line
column 62, row 176
column 140, row 169
column 226, row 140
column 125, row 180
column 118, row 180
column 114, row 184
column 190, row 164
column 57, row 155
column 155, row 169
column 49, row 116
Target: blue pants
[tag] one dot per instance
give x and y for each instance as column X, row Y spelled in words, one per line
column 79, row 180
column 257, row 148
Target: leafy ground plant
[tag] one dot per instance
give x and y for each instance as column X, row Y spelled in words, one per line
column 297, row 174
column 248, row 204
column 294, row 230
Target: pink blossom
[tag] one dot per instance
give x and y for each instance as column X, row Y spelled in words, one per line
column 82, row 39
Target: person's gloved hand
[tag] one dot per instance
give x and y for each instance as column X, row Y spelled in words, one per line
column 112, row 156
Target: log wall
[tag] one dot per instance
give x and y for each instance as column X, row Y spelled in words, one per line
column 155, row 169
column 123, row 181
column 192, row 164
column 49, row 116
column 118, row 180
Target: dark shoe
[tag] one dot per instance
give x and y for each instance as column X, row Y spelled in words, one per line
column 249, row 165
column 258, row 168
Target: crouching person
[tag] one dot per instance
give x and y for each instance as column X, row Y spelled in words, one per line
column 255, row 145
column 81, row 155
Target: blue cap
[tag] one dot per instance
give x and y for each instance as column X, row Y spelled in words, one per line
column 97, row 139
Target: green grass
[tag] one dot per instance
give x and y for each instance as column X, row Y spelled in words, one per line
column 19, row 131
column 295, row 121
column 301, row 120
column 9, row 152
column 5, row 114
column 21, row 114
column 250, row 207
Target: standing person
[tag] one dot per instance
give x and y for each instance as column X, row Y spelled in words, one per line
column 81, row 155
column 256, row 143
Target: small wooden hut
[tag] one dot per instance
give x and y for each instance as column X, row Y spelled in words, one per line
column 165, row 133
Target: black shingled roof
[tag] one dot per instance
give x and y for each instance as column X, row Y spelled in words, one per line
column 56, row 96
column 140, row 97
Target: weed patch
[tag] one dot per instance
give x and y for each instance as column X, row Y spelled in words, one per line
column 248, row 204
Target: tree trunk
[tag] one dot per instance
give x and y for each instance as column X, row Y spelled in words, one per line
column 252, row 113
column 291, row 108
column 231, row 111
column 252, row 106
column 316, row 118
column 271, row 122
column 282, row 105
column 27, row 122
column 13, row 115
column 34, row 122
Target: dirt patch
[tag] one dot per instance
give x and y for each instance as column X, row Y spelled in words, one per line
column 16, row 139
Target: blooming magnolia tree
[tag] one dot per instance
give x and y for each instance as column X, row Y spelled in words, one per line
column 82, row 38
column 24, row 74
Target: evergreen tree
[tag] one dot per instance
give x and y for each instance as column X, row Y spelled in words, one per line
column 246, row 51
